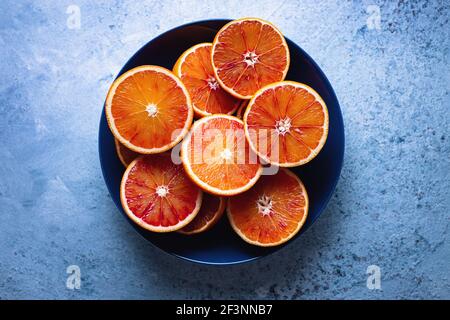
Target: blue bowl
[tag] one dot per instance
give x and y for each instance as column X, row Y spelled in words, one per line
column 221, row 245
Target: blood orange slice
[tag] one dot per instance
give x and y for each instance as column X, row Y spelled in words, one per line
column 271, row 212
column 210, row 213
column 286, row 123
column 194, row 68
column 157, row 195
column 217, row 157
column 248, row 54
column 126, row 156
column 148, row 109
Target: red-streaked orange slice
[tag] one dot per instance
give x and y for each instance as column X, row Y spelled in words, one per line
column 248, row 54
column 126, row 156
column 271, row 212
column 148, row 109
column 210, row 213
column 286, row 123
column 157, row 195
column 195, row 70
column 217, row 157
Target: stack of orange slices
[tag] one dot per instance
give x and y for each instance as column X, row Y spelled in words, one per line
column 282, row 123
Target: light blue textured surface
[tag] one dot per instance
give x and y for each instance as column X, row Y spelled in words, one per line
column 391, row 207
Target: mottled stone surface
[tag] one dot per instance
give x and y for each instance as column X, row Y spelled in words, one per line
column 391, row 207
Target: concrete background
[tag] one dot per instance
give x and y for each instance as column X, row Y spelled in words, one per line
column 391, row 207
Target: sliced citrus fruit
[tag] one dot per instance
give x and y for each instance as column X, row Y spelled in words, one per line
column 157, row 195
column 148, row 109
column 271, row 212
column 286, row 123
column 240, row 111
column 126, row 156
column 248, row 54
column 194, row 68
column 211, row 211
column 217, row 157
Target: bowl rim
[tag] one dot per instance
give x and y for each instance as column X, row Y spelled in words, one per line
column 320, row 209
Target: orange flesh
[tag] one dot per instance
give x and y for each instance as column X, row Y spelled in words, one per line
column 243, row 39
column 307, row 123
column 150, row 175
column 126, row 155
column 198, row 76
column 210, row 143
column 208, row 212
column 285, row 208
column 133, row 103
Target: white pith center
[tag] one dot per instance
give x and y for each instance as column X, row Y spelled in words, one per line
column 212, row 83
column 250, row 58
column 162, row 191
column 283, row 126
column 226, row 154
column 152, row 110
column 264, row 204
